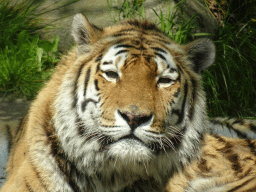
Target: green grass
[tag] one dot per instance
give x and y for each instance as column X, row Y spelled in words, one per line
column 126, row 9
column 25, row 65
column 26, row 60
column 230, row 82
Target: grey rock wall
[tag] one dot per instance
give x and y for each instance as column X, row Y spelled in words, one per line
column 98, row 13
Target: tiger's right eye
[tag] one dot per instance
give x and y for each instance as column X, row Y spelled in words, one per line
column 112, row 74
column 164, row 80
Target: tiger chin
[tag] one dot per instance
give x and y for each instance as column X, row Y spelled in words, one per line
column 124, row 111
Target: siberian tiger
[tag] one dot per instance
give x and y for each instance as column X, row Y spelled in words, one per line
column 125, row 111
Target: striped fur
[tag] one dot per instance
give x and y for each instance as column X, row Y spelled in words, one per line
column 123, row 112
column 232, row 127
column 225, row 165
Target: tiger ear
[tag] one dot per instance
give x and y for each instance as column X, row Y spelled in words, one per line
column 202, row 54
column 84, row 33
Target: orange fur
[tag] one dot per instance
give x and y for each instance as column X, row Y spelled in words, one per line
column 225, row 164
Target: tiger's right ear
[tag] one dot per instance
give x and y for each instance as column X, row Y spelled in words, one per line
column 84, row 33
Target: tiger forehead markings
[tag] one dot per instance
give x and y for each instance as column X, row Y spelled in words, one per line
column 124, row 67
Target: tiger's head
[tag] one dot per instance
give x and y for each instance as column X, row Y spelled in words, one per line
column 132, row 100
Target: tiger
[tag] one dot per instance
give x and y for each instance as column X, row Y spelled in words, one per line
column 124, row 111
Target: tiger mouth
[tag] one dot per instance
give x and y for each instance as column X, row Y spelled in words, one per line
column 154, row 146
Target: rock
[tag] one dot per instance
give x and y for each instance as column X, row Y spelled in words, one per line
column 98, row 13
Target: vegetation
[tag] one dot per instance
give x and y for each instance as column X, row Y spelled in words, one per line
column 230, row 84
column 26, row 60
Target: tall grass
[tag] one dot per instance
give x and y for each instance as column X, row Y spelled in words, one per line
column 126, row 9
column 26, row 60
column 25, row 65
column 230, row 82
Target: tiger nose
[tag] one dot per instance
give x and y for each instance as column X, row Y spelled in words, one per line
column 134, row 120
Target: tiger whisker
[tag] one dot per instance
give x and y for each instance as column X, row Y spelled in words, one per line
column 175, row 130
column 168, row 142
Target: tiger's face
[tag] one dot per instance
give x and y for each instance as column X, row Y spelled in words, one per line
column 136, row 97
column 136, row 89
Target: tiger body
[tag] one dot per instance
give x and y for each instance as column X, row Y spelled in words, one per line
column 225, row 165
column 125, row 111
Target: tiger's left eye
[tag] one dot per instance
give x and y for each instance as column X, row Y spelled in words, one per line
column 112, row 74
column 164, row 80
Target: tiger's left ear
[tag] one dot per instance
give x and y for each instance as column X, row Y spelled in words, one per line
column 84, row 33
column 201, row 52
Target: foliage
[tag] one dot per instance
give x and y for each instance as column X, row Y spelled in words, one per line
column 26, row 65
column 26, row 61
column 126, row 9
column 230, row 83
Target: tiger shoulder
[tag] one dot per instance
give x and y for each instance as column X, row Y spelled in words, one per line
column 126, row 111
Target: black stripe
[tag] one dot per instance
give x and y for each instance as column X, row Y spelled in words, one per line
column 136, row 42
column 251, row 145
column 193, row 101
column 176, row 94
column 98, row 59
column 98, row 67
column 201, row 136
column 239, row 134
column 28, row 186
column 229, row 127
column 160, row 55
column 75, row 86
column 242, row 185
column 135, row 55
column 253, row 127
column 142, row 47
column 96, row 83
column 160, row 39
column 171, row 70
column 123, row 32
column 88, row 74
column 84, row 104
column 229, row 154
column 84, row 37
column 182, row 111
column 121, row 51
column 124, row 46
column 80, row 127
column 10, row 140
column 240, row 121
column 202, row 165
column 125, row 64
column 107, row 62
column 159, row 50
column 148, row 58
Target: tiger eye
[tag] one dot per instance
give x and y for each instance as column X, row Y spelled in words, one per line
column 164, row 80
column 112, row 74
